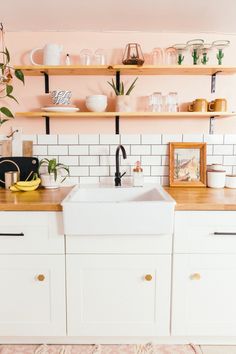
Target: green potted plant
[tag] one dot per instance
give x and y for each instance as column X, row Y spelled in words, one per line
column 6, row 77
column 50, row 173
column 124, row 102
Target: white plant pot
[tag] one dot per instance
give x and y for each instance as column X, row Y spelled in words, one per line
column 48, row 181
column 124, row 103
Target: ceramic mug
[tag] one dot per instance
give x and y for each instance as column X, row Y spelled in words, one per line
column 51, row 54
column 218, row 105
column 199, row 105
column 61, row 96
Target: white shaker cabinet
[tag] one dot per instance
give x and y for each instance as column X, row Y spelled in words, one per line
column 32, row 295
column 204, row 274
column 118, row 295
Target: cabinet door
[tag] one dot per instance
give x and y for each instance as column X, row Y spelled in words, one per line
column 32, row 296
column 204, row 293
column 109, row 295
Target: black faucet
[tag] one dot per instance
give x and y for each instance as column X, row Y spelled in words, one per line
column 118, row 176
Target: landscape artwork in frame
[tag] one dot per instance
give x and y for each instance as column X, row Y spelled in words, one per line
column 187, row 164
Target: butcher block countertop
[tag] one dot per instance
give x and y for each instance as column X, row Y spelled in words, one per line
column 203, row 198
column 186, row 199
column 39, row 200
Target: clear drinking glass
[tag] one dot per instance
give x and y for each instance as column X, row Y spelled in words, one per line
column 156, row 102
column 172, row 104
column 85, row 57
column 170, row 56
column 100, row 57
column 220, row 45
column 157, row 56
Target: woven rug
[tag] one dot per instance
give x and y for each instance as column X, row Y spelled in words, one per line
column 100, row 349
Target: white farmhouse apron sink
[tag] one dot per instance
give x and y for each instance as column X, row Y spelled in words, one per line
column 107, row 210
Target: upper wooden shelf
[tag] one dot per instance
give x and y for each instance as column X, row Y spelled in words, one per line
column 127, row 70
column 127, row 114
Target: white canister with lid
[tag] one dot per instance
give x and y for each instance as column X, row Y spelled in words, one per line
column 216, row 167
column 230, row 181
column 216, row 179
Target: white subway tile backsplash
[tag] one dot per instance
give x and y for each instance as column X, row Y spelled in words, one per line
column 79, row 171
column 151, row 139
column 130, row 138
column 68, row 139
column 229, row 160
column 99, row 149
column 78, row 150
column 230, row 139
column 169, row 138
column 214, row 159
column 89, row 180
column 160, row 149
column 47, row 139
column 29, row 137
column 140, row 149
column 159, row 171
column 89, row 160
column 40, row 150
column 91, row 157
column 57, row 150
column 99, row 171
column 223, row 150
column 69, row 160
column 151, row 160
column 193, row 138
column 89, row 139
column 213, row 138
column 70, row 181
column 109, row 139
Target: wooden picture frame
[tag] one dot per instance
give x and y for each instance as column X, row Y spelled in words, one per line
column 187, row 166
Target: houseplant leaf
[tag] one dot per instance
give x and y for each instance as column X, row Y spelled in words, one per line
column 6, row 112
column 19, row 75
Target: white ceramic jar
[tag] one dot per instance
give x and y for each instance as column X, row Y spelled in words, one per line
column 230, row 181
column 216, row 179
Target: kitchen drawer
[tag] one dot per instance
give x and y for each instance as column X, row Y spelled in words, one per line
column 123, row 244
column 205, row 232
column 31, row 232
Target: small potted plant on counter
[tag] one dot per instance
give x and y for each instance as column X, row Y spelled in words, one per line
column 51, row 174
column 124, row 102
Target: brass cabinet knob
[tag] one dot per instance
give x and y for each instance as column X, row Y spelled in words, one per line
column 148, row 277
column 195, row 276
column 41, row 277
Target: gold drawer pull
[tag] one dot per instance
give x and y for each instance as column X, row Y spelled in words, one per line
column 148, row 277
column 195, row 276
column 41, row 277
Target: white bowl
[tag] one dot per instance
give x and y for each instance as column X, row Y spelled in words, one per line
column 96, row 97
column 96, row 106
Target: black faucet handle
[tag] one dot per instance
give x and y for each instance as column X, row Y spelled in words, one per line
column 123, row 174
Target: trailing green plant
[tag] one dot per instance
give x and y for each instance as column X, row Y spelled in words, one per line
column 6, row 78
column 121, row 90
column 53, row 167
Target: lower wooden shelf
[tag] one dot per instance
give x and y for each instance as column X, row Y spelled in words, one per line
column 127, row 114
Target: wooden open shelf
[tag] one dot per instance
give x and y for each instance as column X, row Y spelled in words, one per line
column 127, row 70
column 128, row 114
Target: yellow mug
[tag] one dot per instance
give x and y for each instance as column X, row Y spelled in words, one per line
column 199, row 105
column 218, row 105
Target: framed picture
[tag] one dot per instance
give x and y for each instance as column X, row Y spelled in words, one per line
column 187, row 164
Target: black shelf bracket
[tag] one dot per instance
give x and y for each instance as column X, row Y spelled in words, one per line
column 46, row 90
column 211, row 125
column 213, row 81
column 117, row 118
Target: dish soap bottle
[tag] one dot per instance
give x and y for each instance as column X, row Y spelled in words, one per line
column 138, row 175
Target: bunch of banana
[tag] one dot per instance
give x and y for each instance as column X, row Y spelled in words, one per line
column 26, row 186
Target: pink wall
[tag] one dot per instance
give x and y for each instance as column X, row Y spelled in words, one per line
column 31, row 96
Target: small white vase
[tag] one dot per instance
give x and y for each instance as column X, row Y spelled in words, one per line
column 48, row 181
column 124, row 103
